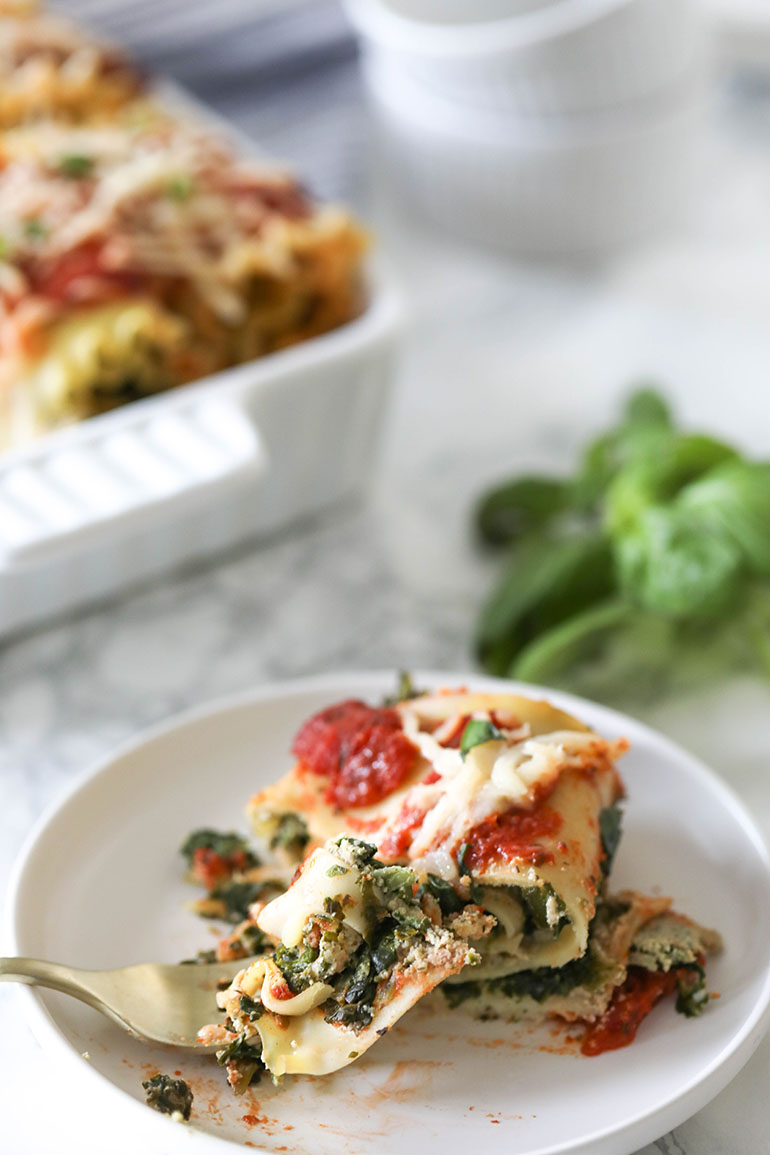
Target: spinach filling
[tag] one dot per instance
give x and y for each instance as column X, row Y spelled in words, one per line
column 692, row 994
column 370, row 968
column 169, row 1096
column 290, row 834
column 358, row 968
column 235, row 897
column 538, row 902
column 610, row 830
column 444, row 893
column 538, row 984
column 241, row 1058
column 225, row 846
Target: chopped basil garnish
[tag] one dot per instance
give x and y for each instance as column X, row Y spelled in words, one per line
column 476, row 733
column 76, row 166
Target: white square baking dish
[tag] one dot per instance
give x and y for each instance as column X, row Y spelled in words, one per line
column 96, row 507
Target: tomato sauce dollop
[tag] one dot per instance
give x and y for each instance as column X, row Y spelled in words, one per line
column 630, row 1006
column 360, row 749
column 514, row 834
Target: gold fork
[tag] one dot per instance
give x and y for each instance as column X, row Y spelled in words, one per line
column 157, row 1002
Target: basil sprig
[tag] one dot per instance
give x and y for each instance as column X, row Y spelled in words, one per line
column 651, row 564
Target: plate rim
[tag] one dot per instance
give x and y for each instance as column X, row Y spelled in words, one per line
column 620, row 1139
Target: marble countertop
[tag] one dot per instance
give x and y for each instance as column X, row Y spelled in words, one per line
column 504, row 367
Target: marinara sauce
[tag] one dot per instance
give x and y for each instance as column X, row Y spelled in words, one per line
column 630, row 1006
column 513, row 835
column 361, row 750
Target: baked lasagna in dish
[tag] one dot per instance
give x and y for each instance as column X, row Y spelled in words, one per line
column 139, row 253
column 494, row 820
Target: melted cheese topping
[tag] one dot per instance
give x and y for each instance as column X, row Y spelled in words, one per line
column 494, row 777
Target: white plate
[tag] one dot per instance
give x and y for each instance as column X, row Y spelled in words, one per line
column 100, row 886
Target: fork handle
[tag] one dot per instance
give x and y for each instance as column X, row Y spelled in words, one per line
column 36, row 973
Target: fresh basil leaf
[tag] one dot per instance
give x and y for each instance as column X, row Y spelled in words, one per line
column 672, row 567
column 733, row 502
column 545, row 583
column 647, row 407
column 646, row 426
column 476, row 733
column 511, row 510
column 659, row 478
column 580, row 637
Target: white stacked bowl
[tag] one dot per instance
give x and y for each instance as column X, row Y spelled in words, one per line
column 559, row 58
column 554, row 127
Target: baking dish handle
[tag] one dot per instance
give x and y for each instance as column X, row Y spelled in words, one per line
column 128, row 476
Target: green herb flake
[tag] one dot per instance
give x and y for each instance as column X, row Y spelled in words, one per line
column 405, row 690
column 181, row 187
column 253, row 1008
column 476, row 733
column 35, row 230
column 336, row 870
column 76, row 166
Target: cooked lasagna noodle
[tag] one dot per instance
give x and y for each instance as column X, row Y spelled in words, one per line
column 510, row 804
column 137, row 252
column 358, row 943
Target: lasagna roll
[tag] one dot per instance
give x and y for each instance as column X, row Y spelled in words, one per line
column 506, row 800
column 358, row 943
